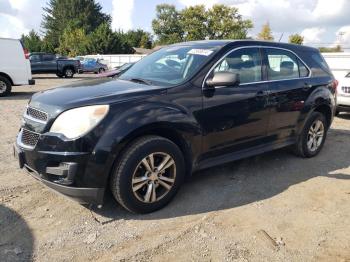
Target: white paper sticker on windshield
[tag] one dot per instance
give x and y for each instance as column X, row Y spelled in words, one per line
column 204, row 52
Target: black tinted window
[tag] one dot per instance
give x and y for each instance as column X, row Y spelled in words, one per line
column 281, row 64
column 48, row 57
column 34, row 58
column 246, row 62
column 303, row 71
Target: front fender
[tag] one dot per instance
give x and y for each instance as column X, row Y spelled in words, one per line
column 135, row 119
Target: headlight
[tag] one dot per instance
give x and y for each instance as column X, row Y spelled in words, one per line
column 77, row 122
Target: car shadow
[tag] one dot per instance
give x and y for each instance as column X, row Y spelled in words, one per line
column 56, row 77
column 345, row 116
column 19, row 95
column 16, row 241
column 246, row 181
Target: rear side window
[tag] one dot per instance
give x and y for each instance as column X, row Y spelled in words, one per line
column 282, row 64
column 246, row 62
column 318, row 58
column 48, row 57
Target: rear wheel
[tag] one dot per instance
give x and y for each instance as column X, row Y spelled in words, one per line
column 59, row 75
column 68, row 72
column 5, row 86
column 101, row 70
column 148, row 174
column 313, row 136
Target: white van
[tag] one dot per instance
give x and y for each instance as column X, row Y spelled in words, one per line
column 14, row 65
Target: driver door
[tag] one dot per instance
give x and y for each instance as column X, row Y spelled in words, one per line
column 235, row 117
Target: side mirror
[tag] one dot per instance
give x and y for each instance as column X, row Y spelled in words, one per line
column 223, row 79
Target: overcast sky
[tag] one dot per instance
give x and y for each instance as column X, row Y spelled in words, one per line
column 321, row 22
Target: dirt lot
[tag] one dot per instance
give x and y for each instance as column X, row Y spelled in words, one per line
column 273, row 207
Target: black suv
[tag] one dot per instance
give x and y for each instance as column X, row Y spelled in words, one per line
column 183, row 108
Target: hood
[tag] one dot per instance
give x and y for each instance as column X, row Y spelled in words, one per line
column 89, row 92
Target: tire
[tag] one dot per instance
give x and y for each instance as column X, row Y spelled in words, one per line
column 130, row 167
column 68, row 73
column 5, row 86
column 302, row 148
column 337, row 112
column 59, row 75
column 101, row 70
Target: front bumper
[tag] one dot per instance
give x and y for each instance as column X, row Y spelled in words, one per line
column 43, row 166
column 343, row 103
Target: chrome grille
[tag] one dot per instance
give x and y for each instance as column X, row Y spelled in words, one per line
column 346, row 89
column 29, row 138
column 36, row 114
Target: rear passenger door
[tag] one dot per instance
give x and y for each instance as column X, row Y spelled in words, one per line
column 49, row 63
column 289, row 86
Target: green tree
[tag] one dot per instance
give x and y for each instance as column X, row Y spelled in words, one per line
column 73, row 42
column 193, row 21
column 224, row 22
column 82, row 14
column 266, row 33
column 139, row 38
column 166, row 25
column 296, row 39
column 335, row 49
column 32, row 42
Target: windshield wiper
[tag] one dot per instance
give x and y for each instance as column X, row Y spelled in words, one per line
column 140, row 80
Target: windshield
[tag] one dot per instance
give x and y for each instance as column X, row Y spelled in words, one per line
column 171, row 65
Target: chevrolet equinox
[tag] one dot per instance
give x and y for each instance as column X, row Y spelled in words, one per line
column 183, row 108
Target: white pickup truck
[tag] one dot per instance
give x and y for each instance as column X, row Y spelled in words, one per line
column 14, row 65
column 343, row 94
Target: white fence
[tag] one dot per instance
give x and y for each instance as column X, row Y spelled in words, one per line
column 339, row 63
column 117, row 60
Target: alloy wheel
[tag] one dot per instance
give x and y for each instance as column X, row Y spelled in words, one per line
column 3, row 87
column 69, row 72
column 154, row 177
column 315, row 135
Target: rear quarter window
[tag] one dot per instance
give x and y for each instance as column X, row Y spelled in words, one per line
column 322, row 66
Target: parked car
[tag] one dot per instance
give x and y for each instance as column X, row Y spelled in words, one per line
column 14, row 65
column 92, row 65
column 45, row 63
column 116, row 72
column 343, row 95
column 141, row 134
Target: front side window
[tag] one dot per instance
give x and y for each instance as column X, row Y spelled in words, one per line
column 246, row 62
column 171, row 65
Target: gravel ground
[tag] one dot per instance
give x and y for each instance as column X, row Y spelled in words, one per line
column 272, row 207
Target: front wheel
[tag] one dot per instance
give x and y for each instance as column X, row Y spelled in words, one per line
column 312, row 137
column 148, row 174
column 5, row 86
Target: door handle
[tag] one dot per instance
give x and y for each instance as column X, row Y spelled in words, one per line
column 261, row 94
column 307, row 86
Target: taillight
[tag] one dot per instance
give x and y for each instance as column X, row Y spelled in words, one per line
column 26, row 53
column 335, row 85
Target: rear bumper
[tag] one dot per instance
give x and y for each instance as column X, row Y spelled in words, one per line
column 343, row 103
column 342, row 108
